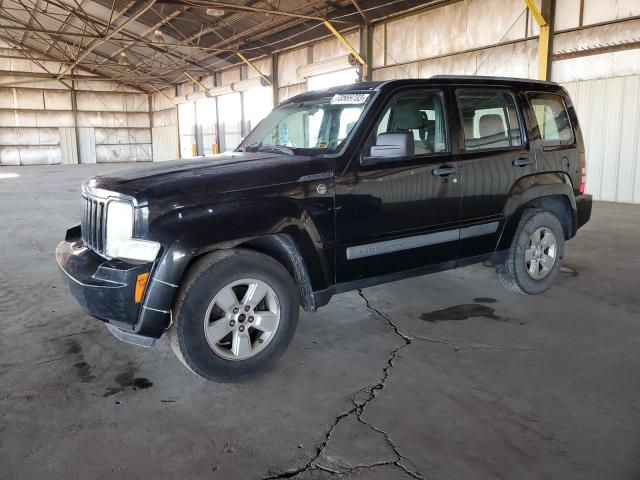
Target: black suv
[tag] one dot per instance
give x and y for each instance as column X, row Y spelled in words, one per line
column 333, row 191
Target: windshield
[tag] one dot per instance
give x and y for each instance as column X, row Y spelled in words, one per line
column 309, row 127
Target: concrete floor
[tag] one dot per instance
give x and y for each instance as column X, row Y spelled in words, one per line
column 374, row 386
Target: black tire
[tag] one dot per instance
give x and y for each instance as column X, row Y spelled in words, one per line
column 201, row 283
column 513, row 272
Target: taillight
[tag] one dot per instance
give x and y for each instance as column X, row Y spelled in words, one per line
column 583, row 172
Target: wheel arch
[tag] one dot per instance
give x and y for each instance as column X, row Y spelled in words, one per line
column 282, row 248
column 284, row 231
column 290, row 249
column 552, row 192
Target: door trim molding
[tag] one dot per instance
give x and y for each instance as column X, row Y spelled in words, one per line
column 417, row 241
column 478, row 230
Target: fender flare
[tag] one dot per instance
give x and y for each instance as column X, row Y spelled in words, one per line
column 293, row 238
column 535, row 191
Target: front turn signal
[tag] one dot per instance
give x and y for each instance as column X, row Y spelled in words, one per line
column 141, row 283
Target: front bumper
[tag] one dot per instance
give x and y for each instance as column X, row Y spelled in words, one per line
column 584, row 203
column 103, row 288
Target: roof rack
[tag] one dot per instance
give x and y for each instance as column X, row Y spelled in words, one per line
column 494, row 78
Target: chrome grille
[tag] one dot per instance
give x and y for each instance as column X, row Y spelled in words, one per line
column 94, row 223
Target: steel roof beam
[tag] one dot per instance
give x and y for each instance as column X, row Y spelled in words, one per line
column 264, row 25
column 135, row 37
column 53, row 33
column 97, row 42
column 112, row 76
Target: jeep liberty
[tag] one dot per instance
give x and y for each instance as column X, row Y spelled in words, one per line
column 333, row 191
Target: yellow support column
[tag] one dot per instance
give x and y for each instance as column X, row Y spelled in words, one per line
column 349, row 47
column 250, row 64
column 543, row 53
column 544, row 41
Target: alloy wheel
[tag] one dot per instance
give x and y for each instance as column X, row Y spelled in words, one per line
column 540, row 255
column 242, row 319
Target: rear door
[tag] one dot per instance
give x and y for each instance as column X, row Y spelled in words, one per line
column 494, row 156
column 399, row 214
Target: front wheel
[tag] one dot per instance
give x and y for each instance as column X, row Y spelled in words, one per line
column 535, row 254
column 236, row 313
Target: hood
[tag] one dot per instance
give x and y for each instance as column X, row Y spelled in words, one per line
column 179, row 180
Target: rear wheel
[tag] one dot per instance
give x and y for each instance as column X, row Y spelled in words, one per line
column 235, row 315
column 535, row 254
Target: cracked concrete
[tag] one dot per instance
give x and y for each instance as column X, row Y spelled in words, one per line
column 369, row 389
column 347, row 450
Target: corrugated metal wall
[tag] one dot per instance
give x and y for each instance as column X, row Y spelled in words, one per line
column 68, row 145
column 609, row 114
column 289, row 83
column 165, row 143
column 87, row 144
column 164, row 125
column 32, row 121
column 39, row 121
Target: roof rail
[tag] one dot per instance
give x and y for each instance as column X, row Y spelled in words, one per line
column 489, row 77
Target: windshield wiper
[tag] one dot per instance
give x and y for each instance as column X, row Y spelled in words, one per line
column 276, row 148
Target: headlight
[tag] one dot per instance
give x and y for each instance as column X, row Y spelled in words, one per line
column 120, row 241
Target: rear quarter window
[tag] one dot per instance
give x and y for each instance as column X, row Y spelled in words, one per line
column 552, row 119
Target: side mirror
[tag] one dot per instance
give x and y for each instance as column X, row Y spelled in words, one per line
column 391, row 146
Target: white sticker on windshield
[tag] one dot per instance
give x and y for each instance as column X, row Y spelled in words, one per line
column 349, row 98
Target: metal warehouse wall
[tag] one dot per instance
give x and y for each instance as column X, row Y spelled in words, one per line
column 289, row 83
column 165, row 124
column 50, row 123
column 609, row 112
column 164, row 121
column 498, row 37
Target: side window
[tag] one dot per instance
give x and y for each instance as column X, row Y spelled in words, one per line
column 422, row 115
column 553, row 119
column 490, row 120
column 384, row 126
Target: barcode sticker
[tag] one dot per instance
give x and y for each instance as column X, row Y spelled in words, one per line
column 349, row 98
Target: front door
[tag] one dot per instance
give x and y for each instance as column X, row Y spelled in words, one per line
column 401, row 213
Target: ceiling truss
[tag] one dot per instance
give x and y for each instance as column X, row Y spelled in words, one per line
column 87, row 38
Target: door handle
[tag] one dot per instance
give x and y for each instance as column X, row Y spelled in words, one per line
column 444, row 170
column 521, row 162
